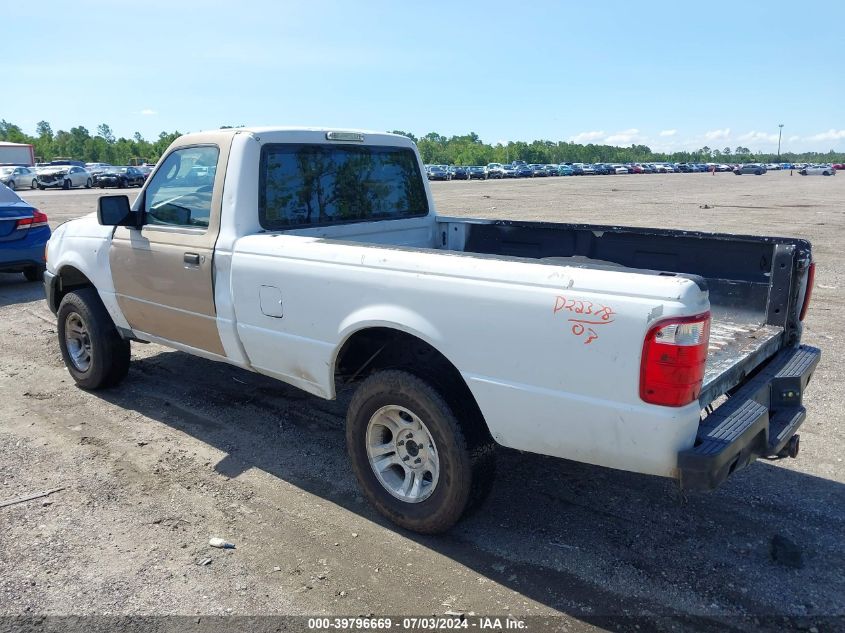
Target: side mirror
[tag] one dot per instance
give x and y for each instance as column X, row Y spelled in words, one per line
column 115, row 211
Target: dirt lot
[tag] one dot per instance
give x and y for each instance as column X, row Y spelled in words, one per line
column 187, row 449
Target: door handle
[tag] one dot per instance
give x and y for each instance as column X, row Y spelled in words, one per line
column 192, row 258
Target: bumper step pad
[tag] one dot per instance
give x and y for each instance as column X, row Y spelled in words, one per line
column 757, row 421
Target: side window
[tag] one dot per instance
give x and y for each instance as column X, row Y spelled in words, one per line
column 180, row 192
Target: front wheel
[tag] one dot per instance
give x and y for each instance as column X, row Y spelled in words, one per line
column 94, row 353
column 414, row 460
column 66, row 184
column 11, row 184
column 88, row 183
column 33, row 184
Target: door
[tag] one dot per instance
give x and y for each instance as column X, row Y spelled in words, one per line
column 163, row 273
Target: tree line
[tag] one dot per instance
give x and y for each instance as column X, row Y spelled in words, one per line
column 468, row 149
column 80, row 144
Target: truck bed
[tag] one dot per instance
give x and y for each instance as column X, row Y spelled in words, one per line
column 754, row 283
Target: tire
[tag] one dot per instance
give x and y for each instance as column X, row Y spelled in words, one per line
column 41, row 187
column 465, row 457
column 94, row 353
column 66, row 184
column 88, row 183
column 120, row 184
column 825, row 173
column 34, row 273
column 11, row 184
column 758, row 173
column 33, row 184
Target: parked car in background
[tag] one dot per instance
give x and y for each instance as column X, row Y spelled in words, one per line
column 477, row 172
column 750, row 168
column 63, row 177
column 551, row 170
column 459, row 172
column 120, row 177
column 537, row 171
column 839, row 166
column 773, row 166
column 146, row 170
column 18, row 177
column 818, row 170
column 23, row 235
column 495, row 170
column 509, row 171
column 437, row 172
column 619, row 169
column 523, row 171
column 566, row 170
column 600, row 169
column 577, row 169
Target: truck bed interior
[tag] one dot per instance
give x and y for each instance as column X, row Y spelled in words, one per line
column 751, row 280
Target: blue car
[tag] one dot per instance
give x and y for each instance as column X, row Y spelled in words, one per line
column 23, row 235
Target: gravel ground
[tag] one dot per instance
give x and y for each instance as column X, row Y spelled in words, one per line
column 187, row 449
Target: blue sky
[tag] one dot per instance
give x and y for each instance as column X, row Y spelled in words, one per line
column 671, row 75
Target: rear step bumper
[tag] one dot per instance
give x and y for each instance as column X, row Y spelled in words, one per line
column 758, row 421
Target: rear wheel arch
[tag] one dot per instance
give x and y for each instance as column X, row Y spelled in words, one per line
column 376, row 348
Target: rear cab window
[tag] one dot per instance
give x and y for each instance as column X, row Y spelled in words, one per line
column 305, row 185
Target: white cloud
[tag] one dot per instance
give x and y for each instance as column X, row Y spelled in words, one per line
column 148, row 112
column 587, row 137
column 625, row 137
column 758, row 137
column 668, row 132
column 792, row 139
column 715, row 135
column 830, row 135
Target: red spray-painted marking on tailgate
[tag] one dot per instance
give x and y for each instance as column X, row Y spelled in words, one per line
column 599, row 315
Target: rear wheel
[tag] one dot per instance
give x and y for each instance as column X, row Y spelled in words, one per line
column 66, row 184
column 414, row 460
column 825, row 173
column 94, row 353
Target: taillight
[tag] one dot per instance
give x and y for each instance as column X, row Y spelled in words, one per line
column 674, row 356
column 37, row 219
column 808, row 293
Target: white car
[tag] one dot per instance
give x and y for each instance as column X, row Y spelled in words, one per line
column 818, row 170
column 63, row 177
column 18, row 177
column 591, row 343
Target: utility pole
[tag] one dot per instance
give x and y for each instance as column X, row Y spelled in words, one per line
column 780, row 132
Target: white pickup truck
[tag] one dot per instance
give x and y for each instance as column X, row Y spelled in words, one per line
column 315, row 256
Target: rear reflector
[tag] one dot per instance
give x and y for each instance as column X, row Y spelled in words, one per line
column 37, row 219
column 808, row 293
column 673, row 361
